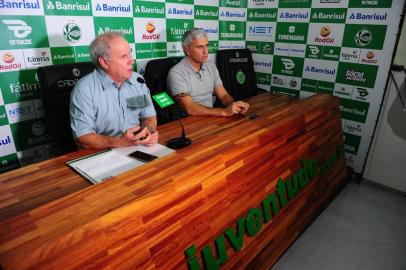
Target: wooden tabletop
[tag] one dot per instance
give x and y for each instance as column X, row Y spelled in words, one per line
column 52, row 218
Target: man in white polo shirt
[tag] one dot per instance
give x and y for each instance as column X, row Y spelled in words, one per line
column 194, row 80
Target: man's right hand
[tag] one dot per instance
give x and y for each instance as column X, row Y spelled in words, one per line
column 236, row 108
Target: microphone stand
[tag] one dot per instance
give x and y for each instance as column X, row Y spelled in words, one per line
column 179, row 142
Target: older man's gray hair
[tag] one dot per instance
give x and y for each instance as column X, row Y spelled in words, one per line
column 100, row 47
column 192, row 34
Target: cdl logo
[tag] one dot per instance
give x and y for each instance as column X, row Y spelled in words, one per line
column 261, row 30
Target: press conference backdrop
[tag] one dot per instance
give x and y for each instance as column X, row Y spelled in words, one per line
column 300, row 47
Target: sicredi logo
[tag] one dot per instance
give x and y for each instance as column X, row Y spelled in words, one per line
column 72, row 32
column 325, row 31
column 67, row 7
column 22, row 4
column 113, row 8
column 288, row 63
column 19, row 28
column 363, row 37
column 150, row 28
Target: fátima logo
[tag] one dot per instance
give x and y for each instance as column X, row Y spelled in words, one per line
column 72, row 32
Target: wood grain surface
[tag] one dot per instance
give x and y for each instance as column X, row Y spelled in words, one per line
column 52, row 218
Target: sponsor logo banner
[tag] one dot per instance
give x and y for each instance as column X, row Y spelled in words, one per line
column 179, row 11
column 314, row 51
column 357, row 74
column 21, row 7
column 364, row 36
column 233, row 14
column 370, row 4
column 6, row 141
column 176, row 28
column 325, row 87
column 232, row 30
column 278, row 80
column 226, row 44
column 285, row 91
column 260, row 47
column 82, row 54
column 350, row 55
column 210, row 27
column 35, row 133
column 39, row 57
column 149, row 30
column 189, row 2
column 290, row 49
column 206, row 13
column 354, row 110
column 3, row 116
column 31, row 156
column 328, row 15
column 309, row 85
column 151, row 50
column 343, row 90
column 263, row 79
column 262, row 63
column 329, row 3
column 149, row 9
column 213, row 47
column 22, row 32
column 371, row 57
column 353, row 127
column 233, row 3
column 351, row 143
column 292, row 32
column 293, row 82
column 370, row 15
column 290, row 66
column 293, row 15
column 20, row 86
column 69, row 31
column 295, row 3
column 68, row 8
column 362, row 94
column 321, row 70
column 325, row 34
column 262, row 14
column 331, row 53
column 262, row 3
column 11, row 60
column 261, row 31
column 124, row 26
column 107, row 8
column 63, row 55
column 20, row 111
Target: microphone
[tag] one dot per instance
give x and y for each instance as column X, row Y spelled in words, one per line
column 179, row 142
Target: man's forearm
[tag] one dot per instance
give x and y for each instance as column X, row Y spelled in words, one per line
column 97, row 141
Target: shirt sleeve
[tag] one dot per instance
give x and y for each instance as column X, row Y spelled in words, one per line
column 217, row 79
column 82, row 114
column 177, row 82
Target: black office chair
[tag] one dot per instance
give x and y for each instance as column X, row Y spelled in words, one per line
column 236, row 69
column 56, row 84
column 155, row 75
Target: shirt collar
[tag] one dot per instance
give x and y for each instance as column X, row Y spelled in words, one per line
column 188, row 64
column 107, row 82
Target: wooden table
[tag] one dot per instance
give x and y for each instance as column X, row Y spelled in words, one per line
column 245, row 188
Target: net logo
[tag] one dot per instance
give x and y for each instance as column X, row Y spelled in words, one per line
column 111, row 8
column 21, row 111
column 150, row 28
column 260, row 30
column 9, row 58
column 288, row 63
column 24, row 4
column 18, row 27
column 363, row 37
column 353, row 75
column 67, row 7
column 325, row 32
column 72, row 32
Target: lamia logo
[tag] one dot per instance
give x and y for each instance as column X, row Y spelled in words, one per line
column 37, row 60
column 184, row 11
column 350, row 55
column 111, row 8
column 363, row 37
column 288, row 63
column 72, row 32
column 353, row 75
column 294, row 15
column 19, row 28
column 150, row 28
column 368, row 17
column 67, row 7
column 22, row 4
column 354, row 128
column 326, row 71
column 325, row 32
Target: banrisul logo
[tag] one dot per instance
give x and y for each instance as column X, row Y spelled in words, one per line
column 364, row 36
column 320, row 70
column 375, row 16
column 68, row 7
column 179, row 11
column 293, row 15
column 206, row 13
column 262, row 14
column 291, row 32
column 124, row 26
column 357, row 74
column 72, row 32
column 354, row 110
column 149, row 9
column 108, row 7
column 235, row 14
column 328, row 15
column 21, row 7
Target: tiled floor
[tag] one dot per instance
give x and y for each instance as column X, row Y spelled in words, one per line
column 363, row 228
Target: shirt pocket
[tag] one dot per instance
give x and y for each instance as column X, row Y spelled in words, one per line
column 137, row 102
